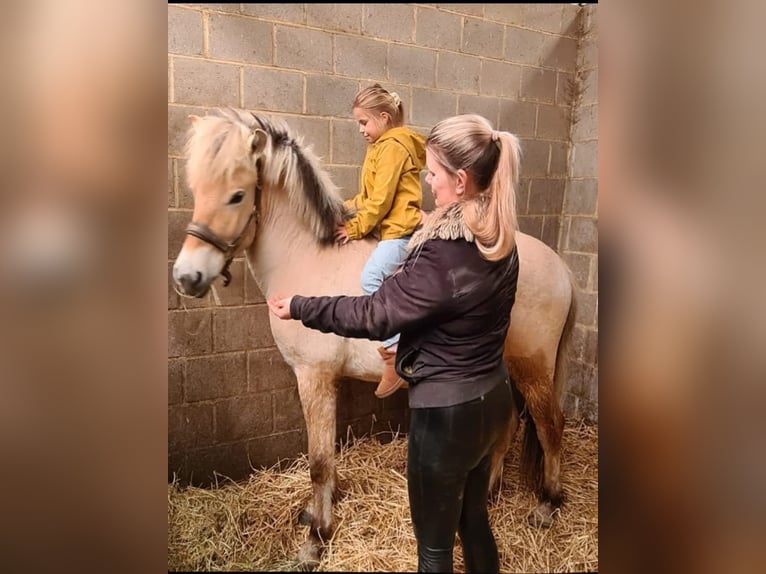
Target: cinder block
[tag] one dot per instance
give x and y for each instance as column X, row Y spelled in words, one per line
column 586, row 127
column 389, row 21
column 416, row 66
column 303, row 49
column 240, row 418
column 550, row 234
column 330, row 96
column 580, row 264
column 190, row 426
column 360, row 57
column 538, row 84
column 506, row 13
column 176, row 375
column 288, row 413
column 500, row 79
column 546, row 196
column 346, row 178
column 436, row 29
column 206, row 466
column 315, row 133
column 523, row 46
column 348, row 146
column 204, row 83
column 518, row 118
column 483, row 38
column 583, row 235
column 431, row 106
column 560, row 53
column 343, row 17
column 215, row 376
column 531, row 225
column 178, row 127
column 585, row 159
column 470, row 9
column 283, row 12
column 482, row 105
column 177, row 222
column 458, row 73
column 189, row 333
column 267, row 371
column 184, row 31
column 553, row 122
column 238, row 38
column 534, row 162
column 546, row 17
column 559, row 159
column 581, row 197
column 270, row 90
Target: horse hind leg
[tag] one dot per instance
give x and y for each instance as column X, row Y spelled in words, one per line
column 499, row 451
column 317, row 392
column 541, row 456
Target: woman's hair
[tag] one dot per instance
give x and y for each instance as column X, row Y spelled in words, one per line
column 377, row 99
column 492, row 159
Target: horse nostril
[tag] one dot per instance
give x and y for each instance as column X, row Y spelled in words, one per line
column 190, row 281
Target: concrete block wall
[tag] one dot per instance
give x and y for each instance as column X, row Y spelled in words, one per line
column 578, row 243
column 512, row 63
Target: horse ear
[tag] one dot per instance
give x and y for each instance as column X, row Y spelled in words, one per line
column 257, row 141
column 193, row 119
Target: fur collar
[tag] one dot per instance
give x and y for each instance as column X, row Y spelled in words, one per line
column 447, row 223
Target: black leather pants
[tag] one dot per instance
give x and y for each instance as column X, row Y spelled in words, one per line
column 448, row 464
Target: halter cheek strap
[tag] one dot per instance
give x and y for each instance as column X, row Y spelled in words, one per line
column 228, row 248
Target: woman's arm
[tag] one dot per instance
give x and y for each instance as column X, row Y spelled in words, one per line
column 416, row 295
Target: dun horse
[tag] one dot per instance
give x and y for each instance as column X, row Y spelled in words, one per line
column 257, row 188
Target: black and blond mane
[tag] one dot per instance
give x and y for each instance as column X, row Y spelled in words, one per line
column 218, row 145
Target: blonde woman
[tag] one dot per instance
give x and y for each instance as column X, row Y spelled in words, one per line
column 451, row 302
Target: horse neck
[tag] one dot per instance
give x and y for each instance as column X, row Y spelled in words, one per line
column 281, row 243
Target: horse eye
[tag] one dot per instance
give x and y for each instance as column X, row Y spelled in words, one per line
column 237, row 198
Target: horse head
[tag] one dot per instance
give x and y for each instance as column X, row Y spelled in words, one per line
column 223, row 154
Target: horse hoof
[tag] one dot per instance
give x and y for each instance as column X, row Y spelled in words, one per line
column 308, row 557
column 542, row 516
column 305, row 517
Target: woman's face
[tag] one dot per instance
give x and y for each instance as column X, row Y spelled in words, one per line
column 443, row 183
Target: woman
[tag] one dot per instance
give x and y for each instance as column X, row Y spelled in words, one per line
column 451, row 301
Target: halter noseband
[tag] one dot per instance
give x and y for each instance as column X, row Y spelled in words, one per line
column 228, row 248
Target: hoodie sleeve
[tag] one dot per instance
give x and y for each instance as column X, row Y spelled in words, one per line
column 419, row 294
column 389, row 166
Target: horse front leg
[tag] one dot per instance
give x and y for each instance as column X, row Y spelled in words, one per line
column 317, row 390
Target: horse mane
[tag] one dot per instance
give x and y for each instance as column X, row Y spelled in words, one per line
column 217, row 146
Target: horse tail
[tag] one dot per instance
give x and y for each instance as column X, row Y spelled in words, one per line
column 561, row 372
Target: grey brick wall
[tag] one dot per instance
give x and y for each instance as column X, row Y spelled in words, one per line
column 513, row 63
column 578, row 241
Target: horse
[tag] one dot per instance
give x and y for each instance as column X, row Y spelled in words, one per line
column 260, row 190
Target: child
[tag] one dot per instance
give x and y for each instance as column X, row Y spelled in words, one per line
column 389, row 202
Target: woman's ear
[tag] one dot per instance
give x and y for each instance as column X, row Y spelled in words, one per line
column 386, row 118
column 461, row 180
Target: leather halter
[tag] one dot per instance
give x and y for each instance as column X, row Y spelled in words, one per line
column 228, row 248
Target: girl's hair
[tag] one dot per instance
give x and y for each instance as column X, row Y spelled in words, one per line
column 492, row 159
column 377, row 99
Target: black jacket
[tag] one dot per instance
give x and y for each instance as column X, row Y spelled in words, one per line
column 451, row 306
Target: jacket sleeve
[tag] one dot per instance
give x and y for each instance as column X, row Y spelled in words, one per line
column 388, row 170
column 419, row 294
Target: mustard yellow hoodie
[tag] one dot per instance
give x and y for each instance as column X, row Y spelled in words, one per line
column 391, row 195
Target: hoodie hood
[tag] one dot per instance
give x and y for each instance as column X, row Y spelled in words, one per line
column 414, row 142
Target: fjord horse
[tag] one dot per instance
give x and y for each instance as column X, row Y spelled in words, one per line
column 258, row 189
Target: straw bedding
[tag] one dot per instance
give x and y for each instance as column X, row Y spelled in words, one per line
column 253, row 525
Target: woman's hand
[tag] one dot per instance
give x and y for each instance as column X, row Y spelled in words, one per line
column 340, row 235
column 280, row 306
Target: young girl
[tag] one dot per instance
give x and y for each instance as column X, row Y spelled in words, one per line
column 389, row 202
